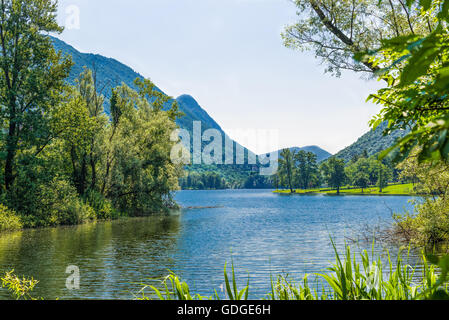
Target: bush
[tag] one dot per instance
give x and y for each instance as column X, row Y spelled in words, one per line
column 59, row 204
column 19, row 288
column 9, row 221
column 430, row 224
column 103, row 207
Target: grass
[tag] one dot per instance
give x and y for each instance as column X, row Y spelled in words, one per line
column 391, row 190
column 346, row 279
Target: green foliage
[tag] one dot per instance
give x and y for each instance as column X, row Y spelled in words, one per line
column 429, row 223
column 139, row 175
column 307, row 173
column 63, row 160
column 373, row 142
column 103, row 207
column 256, row 181
column 31, row 76
column 297, row 168
column 59, row 204
column 348, row 278
column 407, row 189
column 335, row 30
column 175, row 289
column 368, row 171
column 415, row 67
column 20, row 289
column 202, row 181
column 287, row 168
column 9, row 221
column 334, row 173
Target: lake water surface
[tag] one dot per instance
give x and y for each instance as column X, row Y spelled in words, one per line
column 262, row 232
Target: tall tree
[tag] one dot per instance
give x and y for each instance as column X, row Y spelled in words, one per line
column 358, row 173
column 287, row 167
column 31, row 73
column 307, row 168
column 385, row 174
column 334, row 173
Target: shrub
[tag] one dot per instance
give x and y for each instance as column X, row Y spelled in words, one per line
column 81, row 212
column 59, row 204
column 103, row 207
column 430, row 224
column 9, row 221
column 20, row 289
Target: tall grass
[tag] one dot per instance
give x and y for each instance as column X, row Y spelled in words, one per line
column 347, row 279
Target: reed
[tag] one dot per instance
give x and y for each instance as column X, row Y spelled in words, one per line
column 348, row 278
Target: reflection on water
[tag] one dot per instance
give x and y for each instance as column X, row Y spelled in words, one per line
column 111, row 256
column 266, row 233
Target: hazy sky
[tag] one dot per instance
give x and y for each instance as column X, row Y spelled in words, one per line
column 229, row 56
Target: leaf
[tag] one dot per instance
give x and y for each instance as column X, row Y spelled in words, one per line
column 425, row 4
column 440, row 295
column 418, row 64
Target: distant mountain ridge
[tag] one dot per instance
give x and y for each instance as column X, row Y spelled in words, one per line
column 320, row 153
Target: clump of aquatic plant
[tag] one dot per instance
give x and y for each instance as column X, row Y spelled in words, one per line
column 19, row 288
column 176, row 289
column 347, row 279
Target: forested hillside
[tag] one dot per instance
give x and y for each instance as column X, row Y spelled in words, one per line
column 371, row 143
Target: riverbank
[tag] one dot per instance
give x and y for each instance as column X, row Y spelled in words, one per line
column 391, row 190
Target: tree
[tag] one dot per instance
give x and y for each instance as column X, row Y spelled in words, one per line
column 385, row 174
column 334, row 173
column 336, row 30
column 287, row 167
column 31, row 75
column 142, row 176
column 358, row 173
column 306, row 168
column 416, row 69
column 85, row 156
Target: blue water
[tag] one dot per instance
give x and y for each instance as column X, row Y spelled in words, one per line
column 272, row 234
column 264, row 233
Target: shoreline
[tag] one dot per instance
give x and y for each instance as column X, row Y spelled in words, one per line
column 391, row 190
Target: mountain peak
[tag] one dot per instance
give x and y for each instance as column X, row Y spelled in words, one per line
column 187, row 98
column 320, row 153
column 193, row 110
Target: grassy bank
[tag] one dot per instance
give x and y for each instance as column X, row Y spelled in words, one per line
column 391, row 190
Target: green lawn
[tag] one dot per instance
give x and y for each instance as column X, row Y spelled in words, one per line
column 392, row 190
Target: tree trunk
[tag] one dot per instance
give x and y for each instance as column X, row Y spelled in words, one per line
column 94, row 171
column 11, row 148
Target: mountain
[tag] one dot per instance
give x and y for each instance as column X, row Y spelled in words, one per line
column 321, row 154
column 111, row 73
column 372, row 142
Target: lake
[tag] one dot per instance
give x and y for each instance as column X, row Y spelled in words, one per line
column 264, row 233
